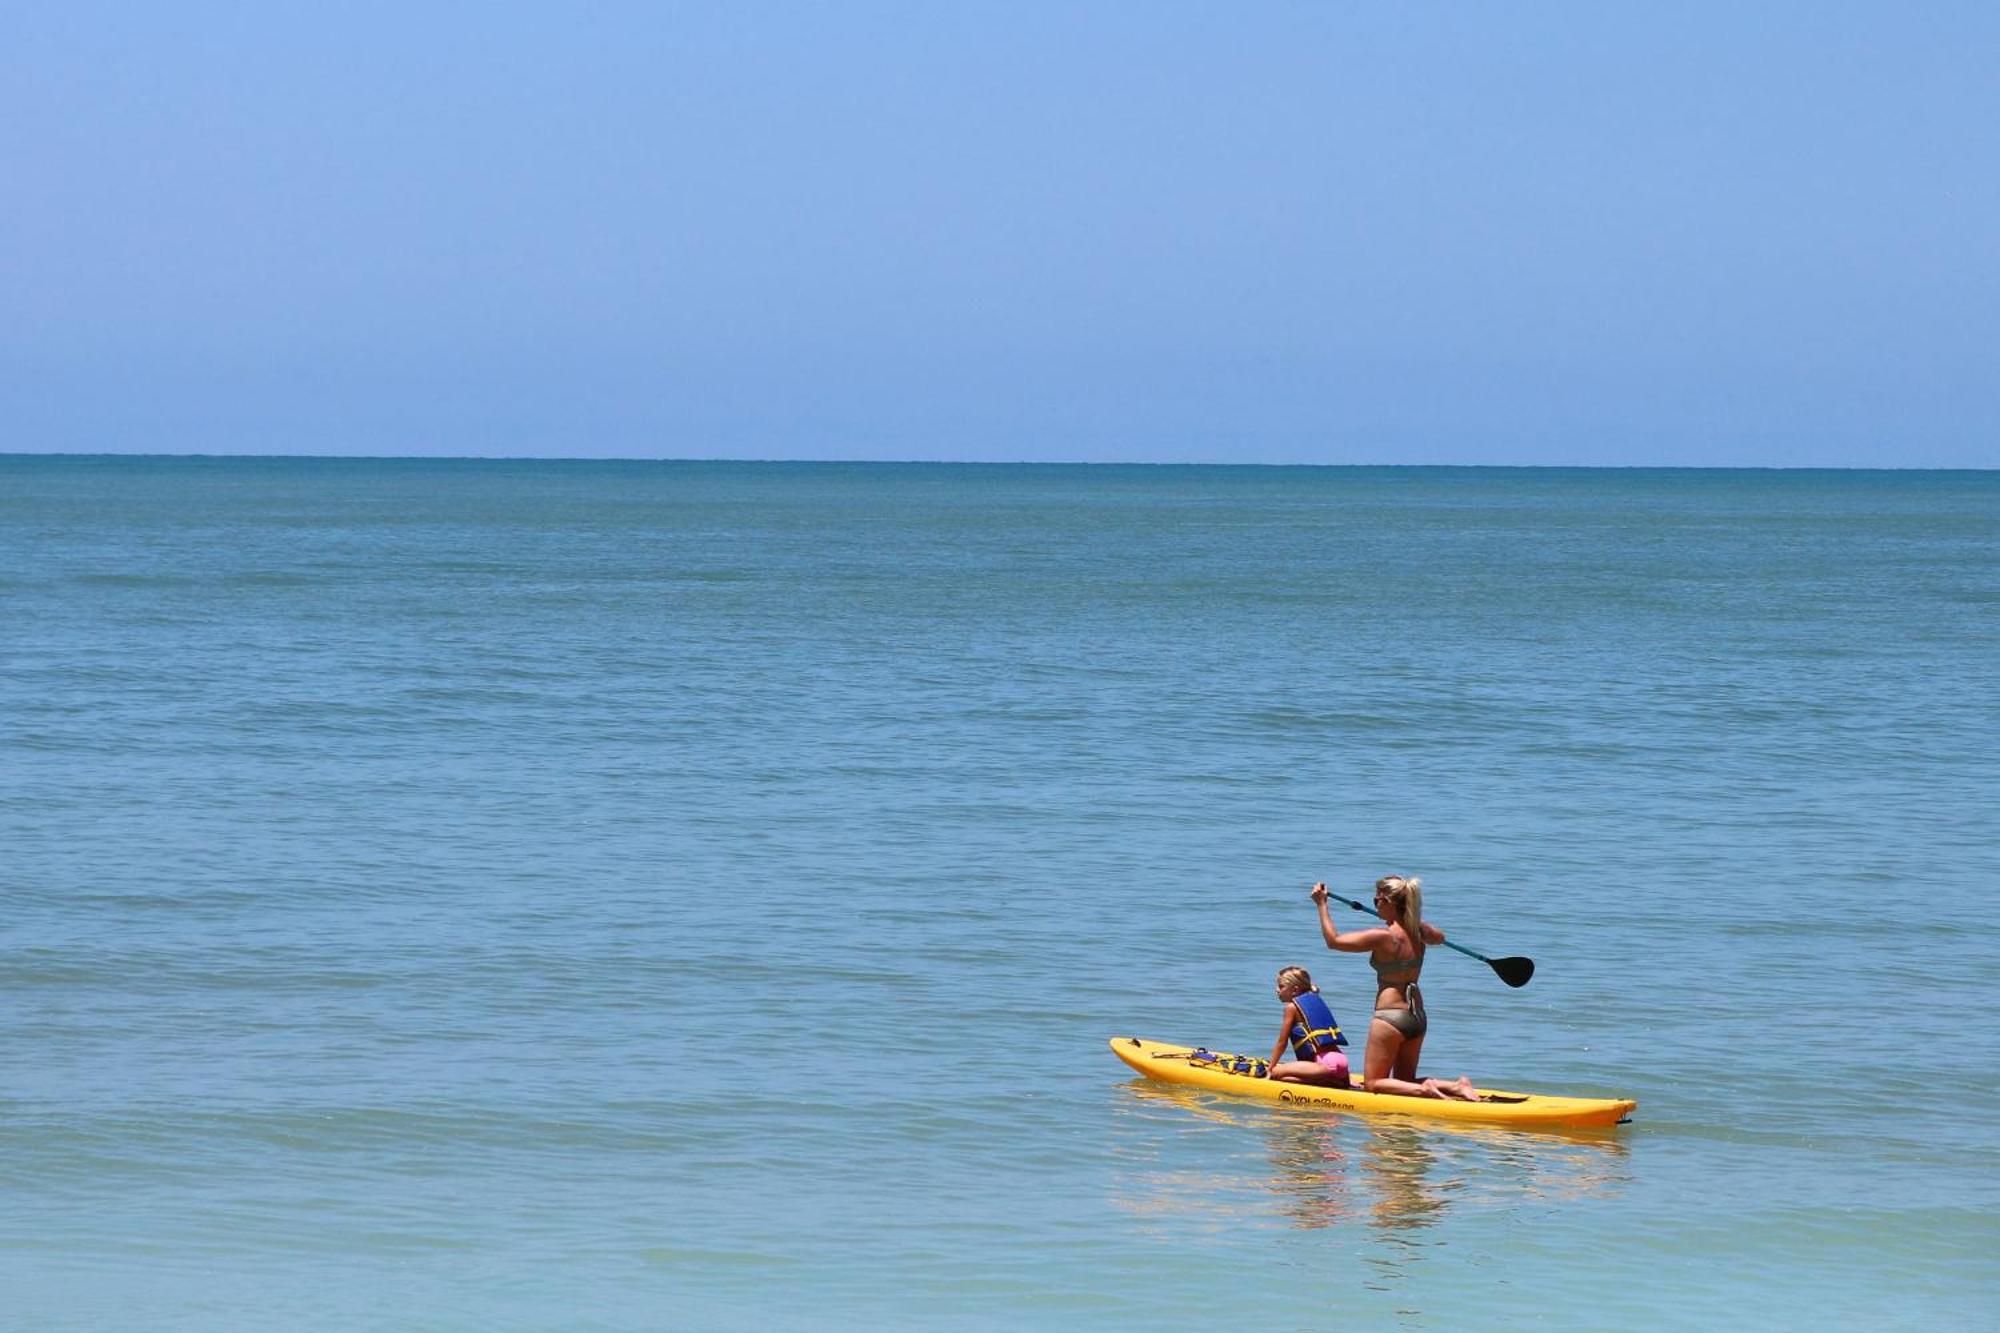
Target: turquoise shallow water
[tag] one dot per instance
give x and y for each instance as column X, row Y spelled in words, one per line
column 536, row 895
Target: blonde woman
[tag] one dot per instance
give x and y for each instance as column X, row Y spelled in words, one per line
column 1395, row 950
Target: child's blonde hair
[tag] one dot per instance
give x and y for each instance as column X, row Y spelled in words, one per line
column 1296, row 976
column 1406, row 899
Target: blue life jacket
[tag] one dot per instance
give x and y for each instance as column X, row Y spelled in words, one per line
column 1319, row 1032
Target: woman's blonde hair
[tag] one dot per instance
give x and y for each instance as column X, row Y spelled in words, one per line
column 1406, row 899
column 1296, row 976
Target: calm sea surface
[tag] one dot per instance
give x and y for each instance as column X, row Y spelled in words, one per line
column 476, row 895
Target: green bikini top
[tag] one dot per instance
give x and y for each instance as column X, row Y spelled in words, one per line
column 1388, row 974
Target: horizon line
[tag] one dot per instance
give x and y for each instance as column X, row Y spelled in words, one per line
column 967, row 462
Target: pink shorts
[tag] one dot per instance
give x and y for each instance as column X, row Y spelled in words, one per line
column 1334, row 1062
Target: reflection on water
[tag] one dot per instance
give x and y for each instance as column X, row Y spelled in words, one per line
column 1212, row 1160
column 1310, row 1171
column 1389, row 1166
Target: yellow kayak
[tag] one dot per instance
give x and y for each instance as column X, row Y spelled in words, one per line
column 1217, row 1072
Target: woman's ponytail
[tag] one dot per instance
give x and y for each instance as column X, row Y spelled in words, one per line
column 1406, row 894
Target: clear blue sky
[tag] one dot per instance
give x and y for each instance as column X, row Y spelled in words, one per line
column 1303, row 230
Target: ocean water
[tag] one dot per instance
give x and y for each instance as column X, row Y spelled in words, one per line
column 493, row 895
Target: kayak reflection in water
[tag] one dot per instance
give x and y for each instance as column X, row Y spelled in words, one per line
column 1396, row 951
column 1309, row 1028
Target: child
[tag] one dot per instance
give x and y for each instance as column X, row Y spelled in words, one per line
column 1312, row 1032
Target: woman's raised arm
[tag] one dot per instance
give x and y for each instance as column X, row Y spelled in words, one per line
column 1354, row 941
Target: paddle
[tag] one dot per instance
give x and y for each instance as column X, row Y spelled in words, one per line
column 1514, row 971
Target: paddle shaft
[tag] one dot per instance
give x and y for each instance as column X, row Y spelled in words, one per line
column 1371, row 911
column 1507, row 969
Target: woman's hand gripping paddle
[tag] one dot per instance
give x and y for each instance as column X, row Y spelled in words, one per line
column 1516, row 972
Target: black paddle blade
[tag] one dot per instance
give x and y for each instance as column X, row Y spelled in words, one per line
column 1516, row 972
